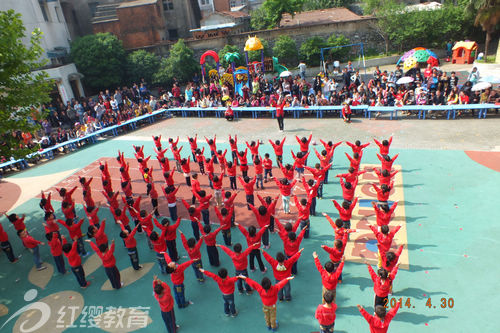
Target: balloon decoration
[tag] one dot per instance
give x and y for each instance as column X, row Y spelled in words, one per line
column 213, row 75
column 232, row 57
column 418, row 55
column 212, row 54
column 254, row 44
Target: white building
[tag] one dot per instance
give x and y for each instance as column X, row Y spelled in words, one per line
column 47, row 15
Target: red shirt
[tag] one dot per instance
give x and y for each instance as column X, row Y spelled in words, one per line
column 285, row 269
column 288, row 174
column 304, row 146
column 55, row 246
column 270, row 296
column 248, row 187
column 345, row 214
column 165, row 300
column 263, row 220
column 231, row 171
column 171, row 230
column 197, row 212
column 259, row 170
column 348, row 194
column 285, row 190
column 170, row 179
column 210, row 239
column 279, row 109
column 311, row 191
column 329, row 280
column 251, row 240
column 376, row 324
column 19, row 224
column 240, row 260
column 108, row 257
column 171, row 196
column 204, row 202
column 325, row 315
column 303, row 210
column 254, row 150
column 185, row 167
column 195, row 185
column 292, row 247
column 100, row 236
column 193, row 253
column 234, row 146
column 74, row 258
column 226, row 285
column 299, row 162
column 384, row 218
column 385, row 180
column 177, row 276
column 51, row 226
column 336, row 254
column 384, row 150
column 225, row 221
column 217, row 184
column 268, row 163
column 382, row 288
column 278, row 149
column 387, row 165
column 357, row 149
column 29, row 242
column 130, row 241
column 4, row 237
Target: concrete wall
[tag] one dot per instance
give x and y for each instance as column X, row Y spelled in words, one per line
column 55, row 32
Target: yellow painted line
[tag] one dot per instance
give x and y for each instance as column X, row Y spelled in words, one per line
column 362, row 217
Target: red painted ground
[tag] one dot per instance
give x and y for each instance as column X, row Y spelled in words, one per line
column 9, row 193
column 489, row 159
column 243, row 215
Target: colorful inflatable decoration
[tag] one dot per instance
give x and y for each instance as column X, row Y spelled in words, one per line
column 213, row 75
column 212, row 54
column 464, row 52
column 277, row 67
column 254, row 44
column 417, row 56
column 242, row 76
column 232, row 57
column 227, row 78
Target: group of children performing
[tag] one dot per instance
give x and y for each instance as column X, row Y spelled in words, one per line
column 162, row 234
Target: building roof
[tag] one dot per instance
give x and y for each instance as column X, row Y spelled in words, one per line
column 322, row 16
column 237, row 14
column 214, row 27
column 137, row 3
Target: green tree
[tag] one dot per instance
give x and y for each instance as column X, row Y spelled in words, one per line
column 341, row 52
column 228, row 48
column 310, row 50
column 180, row 64
column 322, row 4
column 274, row 9
column 101, row 59
column 285, row 49
column 255, row 55
column 141, row 64
column 21, row 89
column 260, row 20
column 487, row 16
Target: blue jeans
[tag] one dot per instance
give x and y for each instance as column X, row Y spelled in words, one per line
column 286, row 203
column 326, row 177
column 320, row 190
column 232, row 182
column 229, row 307
column 196, row 268
column 259, row 181
column 162, row 263
column 287, row 290
column 250, row 200
column 169, row 320
column 312, row 208
column 240, row 282
column 268, row 172
column 294, row 266
column 179, row 296
column 36, row 256
column 80, row 246
column 134, row 257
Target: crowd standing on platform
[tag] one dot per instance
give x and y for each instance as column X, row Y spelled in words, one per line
column 162, row 232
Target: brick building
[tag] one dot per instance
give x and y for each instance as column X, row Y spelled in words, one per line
column 136, row 23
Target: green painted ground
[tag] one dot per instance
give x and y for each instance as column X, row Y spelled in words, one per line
column 451, row 209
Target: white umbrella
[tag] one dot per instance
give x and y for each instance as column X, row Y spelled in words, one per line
column 481, row 86
column 405, row 80
column 491, row 79
column 286, row 74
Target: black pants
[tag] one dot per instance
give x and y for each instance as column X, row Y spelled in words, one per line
column 380, row 300
column 255, row 254
column 235, row 158
column 280, row 123
column 232, row 181
column 188, row 181
column 196, row 230
column 80, row 275
column 202, row 167
column 134, row 257
column 154, row 203
column 7, row 248
column 265, row 237
column 271, row 224
column 250, row 200
column 226, row 234
column 172, row 250
column 213, row 255
column 279, row 160
column 114, row 276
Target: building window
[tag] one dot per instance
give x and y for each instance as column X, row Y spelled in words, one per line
column 168, row 4
column 205, row 2
column 44, row 11
column 232, row 3
column 172, row 34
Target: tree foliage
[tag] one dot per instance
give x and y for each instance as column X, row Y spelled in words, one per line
column 487, row 15
column 141, row 64
column 101, row 59
column 310, row 50
column 285, row 49
column 256, row 55
column 228, row 48
column 259, row 19
column 274, row 9
column 322, row 4
column 340, row 53
column 407, row 29
column 21, row 89
column 180, row 64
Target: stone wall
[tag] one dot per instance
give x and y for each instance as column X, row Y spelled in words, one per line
column 357, row 31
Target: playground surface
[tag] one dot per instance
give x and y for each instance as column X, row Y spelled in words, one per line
column 449, row 169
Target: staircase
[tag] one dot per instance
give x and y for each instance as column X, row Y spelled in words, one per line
column 105, row 13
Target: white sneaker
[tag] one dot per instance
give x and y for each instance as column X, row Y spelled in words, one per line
column 41, row 268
